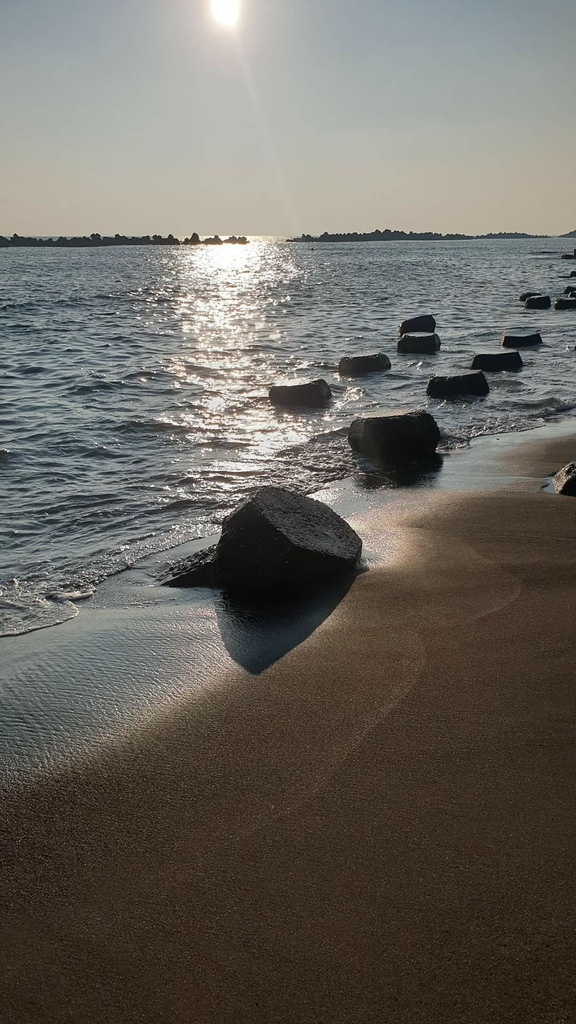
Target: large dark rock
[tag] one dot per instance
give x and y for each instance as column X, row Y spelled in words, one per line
column 570, row 289
column 390, row 440
column 538, row 302
column 520, row 340
column 274, row 541
column 494, row 362
column 459, row 384
column 277, row 538
column 421, row 344
column 527, row 295
column 419, row 325
column 565, row 304
column 573, row 273
column 357, row 366
column 315, row 394
column 565, row 480
column 569, row 255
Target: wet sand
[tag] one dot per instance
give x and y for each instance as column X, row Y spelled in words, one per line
column 376, row 825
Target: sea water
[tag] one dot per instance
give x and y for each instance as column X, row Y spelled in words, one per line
column 134, row 409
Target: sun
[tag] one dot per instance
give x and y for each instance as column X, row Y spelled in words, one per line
column 226, row 12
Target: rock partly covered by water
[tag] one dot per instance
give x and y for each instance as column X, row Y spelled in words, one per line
column 520, row 340
column 357, row 366
column 421, row 344
column 274, row 540
column 459, row 384
column 538, row 302
column 394, row 439
column 565, row 304
column 419, row 325
column 493, row 362
column 314, row 394
column 528, row 295
column 565, row 480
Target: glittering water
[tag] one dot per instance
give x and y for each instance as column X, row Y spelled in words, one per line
column 134, row 408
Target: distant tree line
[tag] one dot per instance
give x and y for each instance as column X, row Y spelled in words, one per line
column 96, row 241
column 399, row 236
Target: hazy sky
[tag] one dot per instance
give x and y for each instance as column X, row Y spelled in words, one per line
column 145, row 115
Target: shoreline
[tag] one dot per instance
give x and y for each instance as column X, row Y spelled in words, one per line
column 356, row 811
column 133, row 602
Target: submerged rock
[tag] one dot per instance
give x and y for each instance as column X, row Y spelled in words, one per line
column 275, row 540
column 527, row 295
column 393, row 439
column 573, row 273
column 419, row 325
column 520, row 340
column 421, row 344
column 565, row 304
column 538, row 302
column 315, row 394
column 565, row 480
column 357, row 366
column 570, row 289
column 497, row 361
column 459, row 384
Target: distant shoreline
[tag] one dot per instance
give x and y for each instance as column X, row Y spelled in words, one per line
column 416, row 236
column 97, row 241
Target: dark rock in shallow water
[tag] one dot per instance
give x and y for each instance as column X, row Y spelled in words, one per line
column 527, row 295
column 459, row 384
column 357, row 366
column 538, row 302
column 419, row 325
column 573, row 273
column 421, row 344
column 273, row 541
column 520, row 340
column 570, row 289
column 277, row 539
column 390, row 440
column 315, row 394
column 565, row 304
column 569, row 255
column 497, row 361
column 565, row 480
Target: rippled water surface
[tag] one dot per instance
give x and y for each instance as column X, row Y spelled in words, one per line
column 134, row 410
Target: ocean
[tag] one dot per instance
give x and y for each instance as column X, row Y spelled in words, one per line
column 134, row 382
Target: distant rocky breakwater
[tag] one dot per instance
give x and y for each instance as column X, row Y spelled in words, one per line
column 97, row 241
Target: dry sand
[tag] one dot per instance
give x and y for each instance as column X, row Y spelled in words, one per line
column 378, row 827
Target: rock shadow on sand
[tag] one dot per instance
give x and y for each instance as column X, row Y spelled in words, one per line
column 258, row 630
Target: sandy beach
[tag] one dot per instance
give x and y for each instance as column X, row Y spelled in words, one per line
column 368, row 817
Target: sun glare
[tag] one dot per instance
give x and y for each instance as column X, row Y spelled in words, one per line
column 226, row 12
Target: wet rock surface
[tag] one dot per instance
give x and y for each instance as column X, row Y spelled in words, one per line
column 275, row 540
column 390, row 440
column 459, row 384
column 357, row 366
column 314, row 394
column 495, row 362
column 421, row 344
column 520, row 340
column 425, row 324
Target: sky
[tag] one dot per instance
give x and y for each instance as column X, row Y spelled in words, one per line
column 143, row 116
